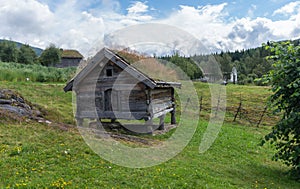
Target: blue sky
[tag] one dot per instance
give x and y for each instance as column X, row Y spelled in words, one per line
column 82, row 25
column 237, row 8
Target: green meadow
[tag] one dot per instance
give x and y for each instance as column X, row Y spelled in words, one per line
column 40, row 155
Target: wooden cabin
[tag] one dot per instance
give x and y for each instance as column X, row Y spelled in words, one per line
column 69, row 58
column 108, row 87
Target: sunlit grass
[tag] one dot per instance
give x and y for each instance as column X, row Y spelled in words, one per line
column 35, row 155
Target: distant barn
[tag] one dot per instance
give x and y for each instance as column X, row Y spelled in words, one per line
column 69, row 58
column 111, row 87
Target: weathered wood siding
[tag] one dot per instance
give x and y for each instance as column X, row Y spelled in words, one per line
column 68, row 62
column 113, row 92
column 161, row 99
column 85, row 94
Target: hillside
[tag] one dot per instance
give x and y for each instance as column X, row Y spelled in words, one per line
column 37, row 50
column 250, row 63
column 41, row 155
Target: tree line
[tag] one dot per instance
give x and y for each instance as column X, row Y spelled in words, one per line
column 251, row 64
column 9, row 52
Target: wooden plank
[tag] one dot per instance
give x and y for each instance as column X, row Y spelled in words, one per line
column 162, row 100
column 86, row 114
column 112, row 115
column 158, row 114
column 161, row 106
column 123, row 115
column 161, row 90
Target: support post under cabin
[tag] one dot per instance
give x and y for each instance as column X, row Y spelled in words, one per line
column 162, row 122
column 173, row 116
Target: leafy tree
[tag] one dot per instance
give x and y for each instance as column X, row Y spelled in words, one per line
column 27, row 55
column 8, row 51
column 50, row 56
column 285, row 81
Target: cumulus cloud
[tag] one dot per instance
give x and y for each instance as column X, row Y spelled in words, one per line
column 250, row 33
column 211, row 26
column 137, row 12
column 82, row 26
column 289, row 9
column 33, row 22
column 24, row 19
column 137, row 8
column 67, row 24
column 288, row 28
column 201, row 21
column 207, row 23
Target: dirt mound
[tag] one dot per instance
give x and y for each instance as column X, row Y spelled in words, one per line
column 13, row 107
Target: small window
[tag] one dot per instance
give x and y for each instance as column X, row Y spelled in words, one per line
column 109, row 72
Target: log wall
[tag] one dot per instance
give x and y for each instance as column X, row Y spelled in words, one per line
column 115, row 92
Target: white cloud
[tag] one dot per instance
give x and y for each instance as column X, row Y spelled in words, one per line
column 24, row 18
column 68, row 24
column 137, row 8
column 72, row 24
column 248, row 33
column 112, row 5
column 251, row 11
column 288, row 9
column 33, row 22
column 137, row 12
column 199, row 21
column 206, row 23
column 209, row 25
column 214, row 11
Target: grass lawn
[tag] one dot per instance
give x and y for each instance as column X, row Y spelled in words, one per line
column 36, row 155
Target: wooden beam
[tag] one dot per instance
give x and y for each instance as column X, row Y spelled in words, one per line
column 156, row 115
column 162, row 122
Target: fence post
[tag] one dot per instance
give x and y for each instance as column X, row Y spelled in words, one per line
column 238, row 110
column 201, row 101
column 262, row 115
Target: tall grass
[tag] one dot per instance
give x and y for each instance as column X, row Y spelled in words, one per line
column 33, row 72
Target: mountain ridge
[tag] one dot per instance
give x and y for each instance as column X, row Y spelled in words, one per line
column 37, row 50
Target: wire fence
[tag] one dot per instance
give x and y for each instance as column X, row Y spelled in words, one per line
column 240, row 110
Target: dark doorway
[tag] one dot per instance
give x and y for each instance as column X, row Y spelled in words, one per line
column 111, row 100
column 107, row 97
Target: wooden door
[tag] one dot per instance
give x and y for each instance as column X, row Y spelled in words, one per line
column 111, row 102
column 107, row 101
